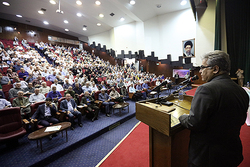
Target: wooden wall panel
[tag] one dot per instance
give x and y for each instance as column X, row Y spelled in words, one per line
column 41, row 33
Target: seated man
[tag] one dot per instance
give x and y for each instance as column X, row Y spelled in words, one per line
column 136, row 94
column 13, row 91
column 29, row 90
column 115, row 96
column 45, row 114
column 92, row 110
column 30, row 78
column 87, row 88
column 36, row 97
column 44, row 88
column 54, row 95
column 4, row 104
column 70, row 108
column 23, row 74
column 23, row 103
column 104, row 97
column 102, row 86
column 58, row 86
column 71, row 92
column 37, row 83
column 78, row 91
column 139, row 89
column 4, row 80
column 66, row 85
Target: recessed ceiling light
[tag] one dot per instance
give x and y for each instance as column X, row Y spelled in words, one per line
column 78, row 2
column 97, row 2
column 40, row 12
column 122, row 19
column 98, row 24
column 79, row 14
column 84, row 28
column 101, row 15
column 132, row 2
column 52, row 2
column 66, row 29
column 66, row 21
column 6, row 4
column 45, row 22
column 18, row 15
column 183, row 2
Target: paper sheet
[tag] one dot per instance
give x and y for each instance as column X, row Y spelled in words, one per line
column 53, row 128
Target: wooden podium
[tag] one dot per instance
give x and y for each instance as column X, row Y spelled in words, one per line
column 168, row 140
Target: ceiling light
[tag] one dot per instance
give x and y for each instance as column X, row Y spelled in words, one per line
column 6, row 4
column 97, row 2
column 18, row 15
column 66, row 29
column 66, row 21
column 40, row 12
column 78, row 2
column 45, row 22
column 79, row 14
column 183, row 2
column 132, row 2
column 84, row 28
column 98, row 24
column 122, row 19
column 52, row 2
column 59, row 9
column 101, row 15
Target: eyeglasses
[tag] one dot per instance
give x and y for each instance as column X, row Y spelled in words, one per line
column 203, row 67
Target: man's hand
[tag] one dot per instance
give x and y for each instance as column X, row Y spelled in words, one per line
column 32, row 120
column 23, row 106
column 75, row 109
column 68, row 112
column 85, row 105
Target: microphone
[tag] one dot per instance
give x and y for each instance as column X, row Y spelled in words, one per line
column 195, row 77
column 159, row 86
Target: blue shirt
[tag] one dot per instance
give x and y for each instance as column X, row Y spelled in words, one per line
column 53, row 95
column 51, row 78
column 23, row 74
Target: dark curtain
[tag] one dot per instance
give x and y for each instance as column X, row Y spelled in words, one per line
column 217, row 42
column 238, row 35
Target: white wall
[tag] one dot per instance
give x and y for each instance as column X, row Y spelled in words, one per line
column 164, row 34
column 172, row 28
column 205, row 31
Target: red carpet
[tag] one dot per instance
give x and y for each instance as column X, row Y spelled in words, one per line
column 133, row 151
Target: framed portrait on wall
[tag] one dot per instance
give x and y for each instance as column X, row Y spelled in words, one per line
column 188, row 48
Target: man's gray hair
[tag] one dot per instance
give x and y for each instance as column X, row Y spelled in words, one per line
column 219, row 58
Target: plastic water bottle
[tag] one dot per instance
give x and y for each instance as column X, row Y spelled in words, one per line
column 248, row 84
column 181, row 97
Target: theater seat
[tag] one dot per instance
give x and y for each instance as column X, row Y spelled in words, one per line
column 11, row 124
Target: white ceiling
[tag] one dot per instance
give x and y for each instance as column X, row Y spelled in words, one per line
column 141, row 11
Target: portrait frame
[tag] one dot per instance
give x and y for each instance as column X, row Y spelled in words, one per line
column 187, row 42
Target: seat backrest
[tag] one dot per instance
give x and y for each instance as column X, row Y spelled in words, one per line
column 6, row 88
column 49, row 83
column 62, row 93
column 97, row 94
column 10, row 120
column 59, row 101
column 34, row 106
column 11, row 100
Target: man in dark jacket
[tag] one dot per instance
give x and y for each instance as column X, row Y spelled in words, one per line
column 45, row 114
column 218, row 111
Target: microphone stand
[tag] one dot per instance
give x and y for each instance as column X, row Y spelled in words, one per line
column 170, row 103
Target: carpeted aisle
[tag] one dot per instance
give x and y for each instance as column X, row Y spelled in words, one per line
column 133, row 151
